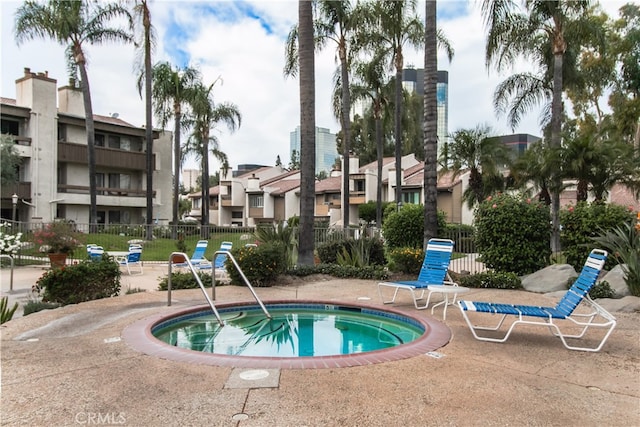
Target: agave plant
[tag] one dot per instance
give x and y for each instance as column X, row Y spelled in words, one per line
column 6, row 313
column 624, row 244
column 283, row 234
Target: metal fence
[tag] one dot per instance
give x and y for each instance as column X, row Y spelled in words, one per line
column 167, row 239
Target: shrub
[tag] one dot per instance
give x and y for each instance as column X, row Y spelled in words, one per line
column 367, row 211
column 369, row 272
column 85, row 281
column 182, row 280
column 287, row 236
column 512, row 234
column 491, row 279
column 624, row 244
column 6, row 313
column 261, row 264
column 34, row 306
column 370, row 248
column 584, row 221
column 602, row 290
column 406, row 260
column 405, row 228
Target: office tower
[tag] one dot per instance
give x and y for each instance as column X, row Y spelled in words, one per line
column 326, row 152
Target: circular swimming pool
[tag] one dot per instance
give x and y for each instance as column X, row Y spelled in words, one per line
column 300, row 334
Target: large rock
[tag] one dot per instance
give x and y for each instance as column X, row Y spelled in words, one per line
column 615, row 278
column 628, row 304
column 550, row 279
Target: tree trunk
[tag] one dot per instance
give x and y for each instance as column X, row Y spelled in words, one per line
column 346, row 133
column 307, row 131
column 204, row 219
column 91, row 149
column 380, row 154
column 177, row 161
column 398, row 129
column 556, row 129
column 430, row 125
column 148, row 121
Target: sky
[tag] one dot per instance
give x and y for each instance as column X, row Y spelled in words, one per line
column 242, row 43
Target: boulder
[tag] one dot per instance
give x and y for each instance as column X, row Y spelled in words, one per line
column 628, row 304
column 615, row 278
column 550, row 279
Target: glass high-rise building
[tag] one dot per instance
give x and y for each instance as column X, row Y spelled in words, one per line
column 413, row 79
column 326, row 152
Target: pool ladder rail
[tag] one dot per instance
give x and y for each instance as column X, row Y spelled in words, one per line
column 182, row 259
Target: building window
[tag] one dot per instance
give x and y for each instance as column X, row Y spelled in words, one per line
column 10, row 127
column 412, row 197
column 236, row 214
column 359, row 186
column 99, row 183
column 114, row 217
column 196, row 203
column 99, row 142
column 256, row 201
column 114, row 141
column 62, row 132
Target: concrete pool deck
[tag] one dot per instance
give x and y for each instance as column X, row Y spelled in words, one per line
column 70, row 366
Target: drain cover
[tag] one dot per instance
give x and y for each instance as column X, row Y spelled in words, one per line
column 254, row 374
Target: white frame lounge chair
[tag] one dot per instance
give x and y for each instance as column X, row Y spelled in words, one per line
column 434, row 271
column 552, row 317
column 133, row 258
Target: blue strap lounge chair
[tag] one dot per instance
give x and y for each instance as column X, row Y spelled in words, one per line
column 563, row 314
column 434, row 272
column 132, row 259
column 220, row 257
column 95, row 252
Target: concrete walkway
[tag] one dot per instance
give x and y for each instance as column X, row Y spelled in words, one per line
column 69, row 366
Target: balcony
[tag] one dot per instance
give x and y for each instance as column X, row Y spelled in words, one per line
column 105, row 157
column 22, row 189
column 357, row 198
column 103, row 191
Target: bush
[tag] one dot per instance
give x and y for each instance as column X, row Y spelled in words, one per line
column 623, row 242
column 584, row 221
column 261, row 264
column 6, row 313
column 367, row 247
column 85, row 281
column 369, row 272
column 35, row 306
column 602, row 290
column 513, row 234
column 182, row 280
column 405, row 228
column 490, row 280
column 367, row 211
column 406, row 260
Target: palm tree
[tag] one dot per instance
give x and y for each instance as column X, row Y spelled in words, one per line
column 205, row 116
column 544, row 27
column 397, row 25
column 337, row 22
column 370, row 85
column 307, row 131
column 430, row 124
column 172, row 89
column 76, row 23
column 482, row 155
column 533, row 167
column 143, row 15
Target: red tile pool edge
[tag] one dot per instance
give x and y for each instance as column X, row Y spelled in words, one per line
column 138, row 336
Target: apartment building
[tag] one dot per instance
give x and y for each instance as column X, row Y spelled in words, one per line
column 47, row 125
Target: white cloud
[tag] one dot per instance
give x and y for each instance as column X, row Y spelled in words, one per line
column 250, row 60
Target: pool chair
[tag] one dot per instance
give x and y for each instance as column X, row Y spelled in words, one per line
column 95, row 252
column 197, row 259
column 219, row 258
column 433, row 273
column 562, row 315
column 132, row 259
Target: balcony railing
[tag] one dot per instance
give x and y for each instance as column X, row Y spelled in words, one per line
column 22, row 189
column 106, row 191
column 105, row 157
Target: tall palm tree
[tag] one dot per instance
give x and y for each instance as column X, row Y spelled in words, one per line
column 74, row 24
column 430, row 124
column 143, row 16
column 532, row 167
column 397, row 25
column 482, row 155
column 307, row 131
column 172, row 90
column 337, row 22
column 541, row 28
column 370, row 83
column 205, row 116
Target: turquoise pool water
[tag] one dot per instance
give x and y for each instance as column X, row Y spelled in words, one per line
column 295, row 330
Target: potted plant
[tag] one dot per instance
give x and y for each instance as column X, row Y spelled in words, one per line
column 59, row 239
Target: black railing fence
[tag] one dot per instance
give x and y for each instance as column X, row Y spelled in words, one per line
column 168, row 238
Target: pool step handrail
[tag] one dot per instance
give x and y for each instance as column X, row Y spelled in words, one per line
column 182, row 258
column 246, row 281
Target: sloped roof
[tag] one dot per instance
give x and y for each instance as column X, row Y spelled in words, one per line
column 329, row 185
column 374, row 164
column 7, row 101
column 284, row 186
column 279, row 177
column 621, row 195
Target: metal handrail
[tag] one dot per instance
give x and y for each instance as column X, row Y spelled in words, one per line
column 12, row 265
column 246, row 281
column 182, row 258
